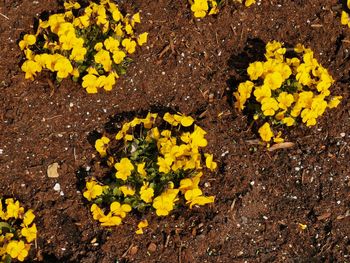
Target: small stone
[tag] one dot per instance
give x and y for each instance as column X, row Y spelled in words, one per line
column 152, row 247
column 52, row 170
column 57, row 187
column 342, row 134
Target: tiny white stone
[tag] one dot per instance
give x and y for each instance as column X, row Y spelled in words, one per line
column 252, row 183
column 71, row 104
column 297, row 169
column 57, row 187
column 265, row 217
column 342, row 134
column 1, row 151
column 61, row 193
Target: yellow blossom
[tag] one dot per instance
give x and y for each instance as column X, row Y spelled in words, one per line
column 124, row 169
column 118, row 209
column 63, row 67
column 27, row 41
column 141, row 225
column 93, row 190
column 142, row 39
column 28, row 217
column 129, row 45
column 127, row 190
column 146, row 193
column 29, row 233
column 31, row 67
column 200, row 8
column 141, row 169
column 209, row 162
column 17, row 250
column 101, row 145
column 265, row 132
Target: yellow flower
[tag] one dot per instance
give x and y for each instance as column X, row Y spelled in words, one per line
column 289, row 121
column 28, row 217
column 164, row 203
column 118, row 56
column 141, row 169
column 243, row 94
column 285, row 100
column 269, row 106
column 135, row 19
column 30, row 67
column 249, row 3
column 141, row 225
column 110, row 220
column 93, row 190
column 142, row 39
column 265, row 132
column 102, row 57
column 109, row 81
column 334, row 102
column 129, row 45
column 262, row 92
column 90, row 83
column 255, row 70
column 111, row 44
column 78, row 53
column 120, row 210
column 146, row 193
column 164, row 164
column 17, row 249
column 273, row 80
column 195, row 197
column 127, row 190
column 209, row 162
column 97, row 212
column 27, row 41
column 344, row 20
column 200, row 8
column 71, row 5
column 175, row 119
column 13, row 208
column 63, row 67
column 101, row 145
column 117, row 15
column 29, row 233
column 124, row 169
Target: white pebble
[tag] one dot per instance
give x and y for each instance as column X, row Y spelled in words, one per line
column 342, row 134
column 57, row 187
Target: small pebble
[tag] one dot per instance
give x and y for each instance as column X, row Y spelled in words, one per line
column 57, row 187
column 152, row 247
column 342, row 134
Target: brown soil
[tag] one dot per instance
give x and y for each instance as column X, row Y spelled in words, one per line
column 261, row 196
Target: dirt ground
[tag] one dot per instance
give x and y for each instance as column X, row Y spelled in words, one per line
column 261, row 196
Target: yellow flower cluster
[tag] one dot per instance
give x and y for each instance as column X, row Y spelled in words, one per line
column 201, row 8
column 150, row 167
column 90, row 44
column 287, row 88
column 345, row 18
column 17, row 230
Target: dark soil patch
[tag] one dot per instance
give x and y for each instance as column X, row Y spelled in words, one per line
column 261, row 197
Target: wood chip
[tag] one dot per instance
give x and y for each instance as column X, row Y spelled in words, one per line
column 52, row 170
column 282, row 145
column 324, row 216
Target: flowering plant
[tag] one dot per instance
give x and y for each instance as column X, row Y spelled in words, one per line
column 152, row 163
column 288, row 88
column 345, row 18
column 201, row 8
column 90, row 43
column 17, row 230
